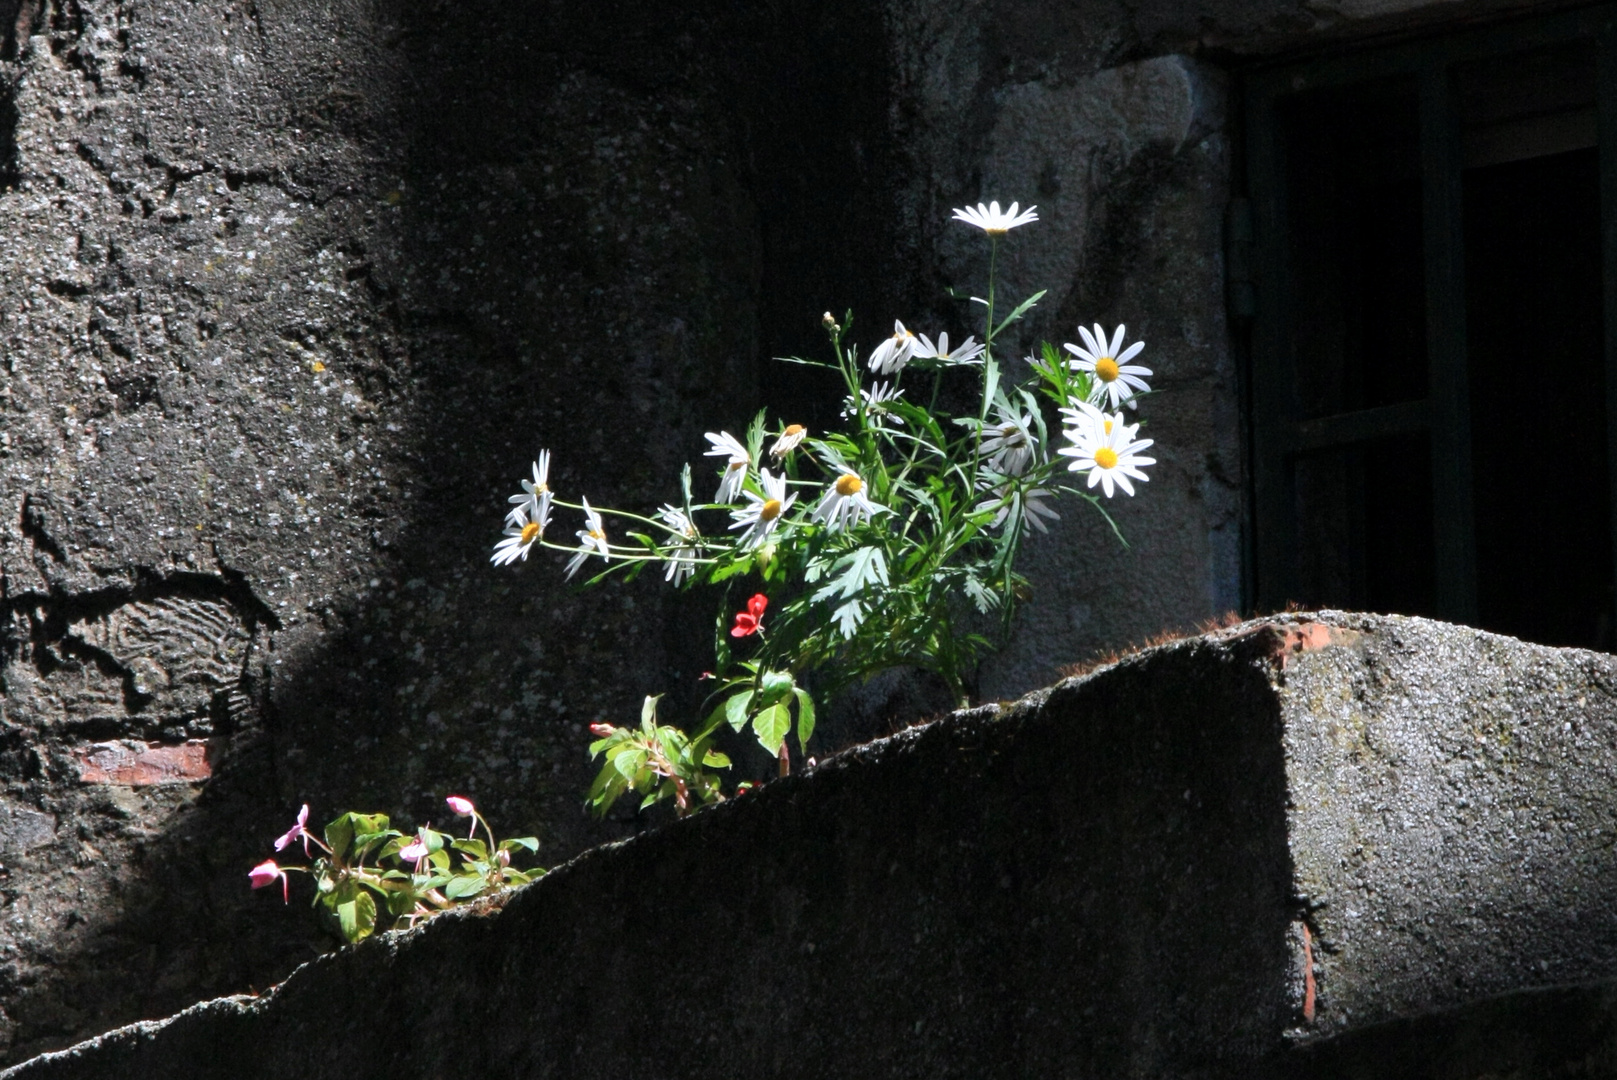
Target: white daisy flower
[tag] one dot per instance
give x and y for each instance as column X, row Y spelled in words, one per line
column 891, row 355
column 1086, row 423
column 1012, row 502
column 877, row 398
column 764, row 512
column 591, row 539
column 1109, row 452
column 788, row 441
column 1114, row 377
column 994, row 221
column 726, row 445
column 1009, row 443
column 846, row 504
column 536, row 496
column 682, row 559
column 965, row 354
column 521, row 533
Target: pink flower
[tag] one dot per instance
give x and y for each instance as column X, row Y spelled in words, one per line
column 296, row 831
column 602, row 730
column 266, row 872
column 463, row 806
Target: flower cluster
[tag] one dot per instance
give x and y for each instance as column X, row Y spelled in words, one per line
column 881, row 545
column 368, row 871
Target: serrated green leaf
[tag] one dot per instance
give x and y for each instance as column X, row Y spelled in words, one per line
column 339, row 834
column 774, row 687
column 357, row 917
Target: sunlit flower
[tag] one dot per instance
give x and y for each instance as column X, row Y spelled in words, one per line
column 536, row 494
column 462, row 806
column 299, row 830
column 877, row 399
column 1012, row 502
column 727, row 446
column 1008, row 442
column 416, row 851
column 1114, row 377
column 1108, row 451
column 846, row 504
column 994, row 221
column 762, row 512
column 591, row 539
column 682, row 559
column 750, row 621
column 265, row 873
column 891, row 355
column 522, row 532
column 966, row 353
column 1086, row 423
column 788, row 441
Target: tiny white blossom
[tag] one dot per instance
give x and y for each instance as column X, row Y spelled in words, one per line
column 1115, row 378
column 682, row 559
column 762, row 512
column 846, row 504
column 591, row 539
column 727, row 446
column 1011, row 502
column 877, row 399
column 789, row 439
column 521, row 533
column 1009, row 443
column 967, row 353
column 890, row 356
column 536, row 495
column 994, row 221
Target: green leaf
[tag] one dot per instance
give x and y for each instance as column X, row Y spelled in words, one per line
column 475, row 848
column 735, row 709
column 1021, row 309
column 648, row 711
column 528, row 842
column 741, row 565
column 715, row 760
column 775, row 687
column 848, row 617
column 805, row 718
column 771, row 727
column 357, row 917
column 463, row 886
column 339, row 834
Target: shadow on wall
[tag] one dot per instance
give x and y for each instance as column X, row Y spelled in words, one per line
column 593, row 202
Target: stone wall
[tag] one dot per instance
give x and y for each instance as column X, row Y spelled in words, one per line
column 1316, row 846
column 291, row 291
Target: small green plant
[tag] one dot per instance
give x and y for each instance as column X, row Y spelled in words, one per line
column 430, row 871
column 891, row 543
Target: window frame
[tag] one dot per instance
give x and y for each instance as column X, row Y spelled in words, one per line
column 1277, row 433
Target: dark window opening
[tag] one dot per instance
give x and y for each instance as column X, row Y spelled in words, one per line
column 1429, row 344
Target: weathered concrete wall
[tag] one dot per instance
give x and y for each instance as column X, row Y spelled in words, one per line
column 290, row 293
column 1110, row 878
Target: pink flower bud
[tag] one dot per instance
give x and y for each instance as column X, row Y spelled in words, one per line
column 265, row 873
column 602, row 730
column 461, row 805
column 414, row 852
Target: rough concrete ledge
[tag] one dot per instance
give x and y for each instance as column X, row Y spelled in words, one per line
column 1117, row 877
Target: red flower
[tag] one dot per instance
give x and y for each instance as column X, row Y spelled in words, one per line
column 751, row 620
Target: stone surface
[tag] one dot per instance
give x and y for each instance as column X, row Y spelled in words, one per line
column 1120, row 876
column 291, row 291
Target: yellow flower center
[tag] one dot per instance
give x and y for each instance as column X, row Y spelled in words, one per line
column 597, row 534
column 529, row 531
column 1108, row 426
column 849, row 484
column 769, row 511
column 1106, row 457
column 996, row 232
column 734, row 465
column 1106, row 369
column 792, row 431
